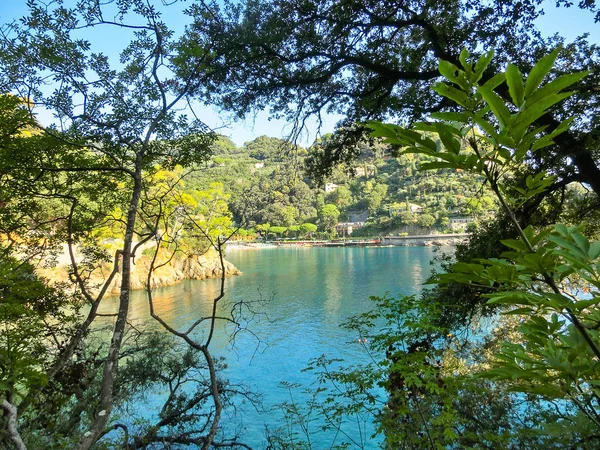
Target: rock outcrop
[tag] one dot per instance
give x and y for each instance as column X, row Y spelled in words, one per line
column 178, row 269
column 167, row 273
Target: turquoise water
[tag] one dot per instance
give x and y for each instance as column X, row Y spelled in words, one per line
column 302, row 295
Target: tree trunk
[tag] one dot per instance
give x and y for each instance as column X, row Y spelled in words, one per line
column 112, row 361
column 13, row 432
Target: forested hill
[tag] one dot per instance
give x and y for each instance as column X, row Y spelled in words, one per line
column 267, row 186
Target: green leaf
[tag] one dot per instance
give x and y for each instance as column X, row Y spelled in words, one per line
column 453, row 94
column 495, row 81
column 425, row 126
column 535, row 240
column 527, row 141
column 556, row 85
column 389, row 132
column 515, row 244
column 487, row 127
column 452, row 117
column 449, row 141
column 539, row 72
column 452, row 73
column 573, row 250
column 396, row 135
column 428, row 143
column 513, row 298
column 558, row 301
column 581, row 242
column 531, row 113
column 561, row 128
column 594, row 251
column 584, row 304
column 529, row 232
column 482, row 64
column 504, row 153
column 562, row 229
column 514, row 79
column 544, row 390
column 464, row 54
column 496, row 104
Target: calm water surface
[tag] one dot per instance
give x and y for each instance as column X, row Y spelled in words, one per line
column 310, row 291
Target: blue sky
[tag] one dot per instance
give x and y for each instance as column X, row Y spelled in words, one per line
column 570, row 23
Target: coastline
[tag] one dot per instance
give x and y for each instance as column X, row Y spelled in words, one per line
column 170, row 271
column 433, row 240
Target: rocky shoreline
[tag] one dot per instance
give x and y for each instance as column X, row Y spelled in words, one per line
column 172, row 272
column 190, row 268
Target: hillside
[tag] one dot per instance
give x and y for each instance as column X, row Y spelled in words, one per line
column 269, row 191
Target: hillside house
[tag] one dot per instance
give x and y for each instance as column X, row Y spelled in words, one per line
column 459, row 224
column 346, row 228
column 330, row 187
column 415, row 209
column 396, row 208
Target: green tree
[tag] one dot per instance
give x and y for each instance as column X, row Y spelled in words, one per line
column 342, row 197
column 554, row 357
column 406, row 218
column 294, row 229
column 328, row 217
column 120, row 127
column 223, row 145
column 279, row 231
column 35, row 319
column 208, row 217
column 374, row 200
column 265, row 147
column 529, row 377
column 285, row 215
column 263, row 229
column 367, row 59
column 308, row 229
column 426, row 220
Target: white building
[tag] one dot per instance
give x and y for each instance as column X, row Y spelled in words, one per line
column 415, row 209
column 330, row 187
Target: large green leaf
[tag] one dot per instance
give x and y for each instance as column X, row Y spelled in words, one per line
column 539, row 72
column 496, row 104
column 482, row 64
column 515, row 244
column 533, row 112
column 487, row 127
column 555, row 86
column 387, row 131
column 452, row 73
column 514, row 79
column 594, row 250
column 495, row 81
column 453, row 94
column 446, row 135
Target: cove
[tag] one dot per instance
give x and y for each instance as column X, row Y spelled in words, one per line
column 301, row 296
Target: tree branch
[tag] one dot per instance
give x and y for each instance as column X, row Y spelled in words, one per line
column 13, row 432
